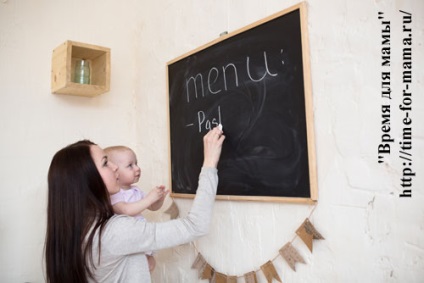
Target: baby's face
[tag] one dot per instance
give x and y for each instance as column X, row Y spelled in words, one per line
column 129, row 172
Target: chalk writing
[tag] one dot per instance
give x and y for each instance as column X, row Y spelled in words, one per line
column 205, row 122
column 195, row 85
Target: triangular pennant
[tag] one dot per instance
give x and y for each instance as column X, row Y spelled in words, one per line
column 173, row 210
column 307, row 233
column 231, row 279
column 199, row 262
column 269, row 271
column 207, row 272
column 218, row 278
column 250, row 277
column 291, row 255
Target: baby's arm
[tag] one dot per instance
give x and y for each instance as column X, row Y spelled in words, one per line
column 136, row 208
column 158, row 204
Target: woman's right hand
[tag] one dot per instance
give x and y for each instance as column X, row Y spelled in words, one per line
column 212, row 145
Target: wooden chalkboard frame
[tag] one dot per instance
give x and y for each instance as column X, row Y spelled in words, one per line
column 310, row 141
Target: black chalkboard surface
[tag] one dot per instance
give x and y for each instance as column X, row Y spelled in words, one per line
column 256, row 83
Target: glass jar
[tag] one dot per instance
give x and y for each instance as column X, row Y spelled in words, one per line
column 82, row 72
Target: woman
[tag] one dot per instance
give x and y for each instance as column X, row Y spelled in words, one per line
column 86, row 242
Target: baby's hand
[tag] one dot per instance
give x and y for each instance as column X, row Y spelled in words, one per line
column 158, row 193
column 154, row 195
column 163, row 191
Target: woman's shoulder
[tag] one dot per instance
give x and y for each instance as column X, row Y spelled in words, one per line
column 120, row 225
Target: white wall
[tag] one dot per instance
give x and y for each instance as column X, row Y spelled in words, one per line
column 371, row 234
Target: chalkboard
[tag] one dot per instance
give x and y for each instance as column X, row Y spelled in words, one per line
column 256, row 83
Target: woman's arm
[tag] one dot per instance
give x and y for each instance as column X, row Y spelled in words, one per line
column 137, row 236
column 125, row 235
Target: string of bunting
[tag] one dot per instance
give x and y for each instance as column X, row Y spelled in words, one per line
column 306, row 232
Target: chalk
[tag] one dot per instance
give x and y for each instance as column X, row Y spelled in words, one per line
column 220, row 127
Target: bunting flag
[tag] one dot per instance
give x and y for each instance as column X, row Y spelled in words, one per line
column 173, row 210
column 291, row 255
column 270, row 273
column 205, row 270
column 222, row 278
column 307, row 233
column 250, row 277
column 231, row 279
column 199, row 262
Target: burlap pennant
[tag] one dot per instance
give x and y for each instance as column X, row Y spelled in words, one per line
column 307, row 233
column 199, row 262
column 231, row 279
column 222, row 278
column 205, row 270
column 291, row 255
column 250, row 277
column 173, row 210
column 218, row 278
column 270, row 273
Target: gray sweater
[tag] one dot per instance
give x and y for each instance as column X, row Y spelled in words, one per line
column 125, row 239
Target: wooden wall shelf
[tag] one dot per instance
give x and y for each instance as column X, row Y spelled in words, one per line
column 63, row 69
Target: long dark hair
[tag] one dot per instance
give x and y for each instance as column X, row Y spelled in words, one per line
column 78, row 206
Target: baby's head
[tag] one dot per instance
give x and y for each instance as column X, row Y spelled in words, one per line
column 126, row 160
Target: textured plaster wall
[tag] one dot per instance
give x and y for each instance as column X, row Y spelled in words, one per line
column 371, row 235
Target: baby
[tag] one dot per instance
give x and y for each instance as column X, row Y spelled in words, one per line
column 130, row 200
